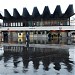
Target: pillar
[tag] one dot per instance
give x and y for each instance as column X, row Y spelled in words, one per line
column 1, row 36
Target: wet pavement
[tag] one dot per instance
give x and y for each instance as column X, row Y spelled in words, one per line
column 38, row 58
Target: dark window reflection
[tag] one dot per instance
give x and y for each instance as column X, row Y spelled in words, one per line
column 57, row 66
column 25, row 57
column 15, row 59
column 46, row 63
column 7, row 56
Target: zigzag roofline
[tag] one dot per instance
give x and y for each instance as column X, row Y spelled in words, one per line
column 36, row 15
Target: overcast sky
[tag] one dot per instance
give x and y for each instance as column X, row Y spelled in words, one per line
column 29, row 4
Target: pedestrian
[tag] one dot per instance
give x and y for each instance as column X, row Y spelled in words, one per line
column 27, row 37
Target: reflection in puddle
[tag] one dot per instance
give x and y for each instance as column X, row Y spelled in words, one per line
column 32, row 60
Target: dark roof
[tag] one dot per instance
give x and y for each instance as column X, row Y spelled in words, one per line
column 35, row 12
column 16, row 13
column 46, row 13
column 7, row 14
column 57, row 13
column 25, row 13
column 69, row 12
column 36, row 15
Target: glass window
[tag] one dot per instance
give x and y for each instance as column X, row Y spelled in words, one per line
column 34, row 23
column 65, row 22
column 4, row 24
column 29, row 23
column 41, row 23
column 45, row 23
column 14, row 24
column 51, row 22
column 11, row 24
column 38, row 24
column 61, row 23
column 48, row 23
column 58, row 23
column 42, row 32
column 21, row 24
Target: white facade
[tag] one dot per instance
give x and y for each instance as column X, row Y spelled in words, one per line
column 72, row 27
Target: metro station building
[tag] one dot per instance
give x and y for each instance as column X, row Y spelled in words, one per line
column 37, row 25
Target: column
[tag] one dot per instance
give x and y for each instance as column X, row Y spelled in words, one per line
column 2, row 37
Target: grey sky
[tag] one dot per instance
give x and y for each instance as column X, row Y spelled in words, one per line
column 29, row 4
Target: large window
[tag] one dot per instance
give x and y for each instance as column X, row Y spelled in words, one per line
column 51, row 22
column 38, row 23
column 30, row 23
column 11, row 24
column 4, row 24
column 41, row 23
column 34, row 23
column 18, row 24
column 21, row 24
column 63, row 22
column 24, row 24
column 14, row 24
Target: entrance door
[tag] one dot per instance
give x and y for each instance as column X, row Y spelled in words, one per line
column 5, row 36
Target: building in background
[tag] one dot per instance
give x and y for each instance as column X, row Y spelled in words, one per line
column 54, row 25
